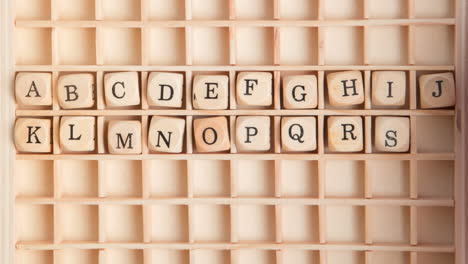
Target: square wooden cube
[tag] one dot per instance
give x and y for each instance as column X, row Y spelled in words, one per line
column 392, row 134
column 210, row 92
column 211, row 134
column 76, row 90
column 253, row 133
column 166, row 134
column 299, row 133
column 300, row 92
column 389, row 88
column 437, row 90
column 345, row 88
column 121, row 89
column 33, row 88
column 345, row 133
column 33, row 135
column 124, row 137
column 77, row 133
column 254, row 88
column 165, row 89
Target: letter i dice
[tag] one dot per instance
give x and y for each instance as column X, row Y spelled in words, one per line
column 437, row 90
column 345, row 88
column 166, row 134
column 76, row 91
column 33, row 135
column 392, row 134
column 298, row 133
column 345, row 133
column 33, row 88
column 124, row 137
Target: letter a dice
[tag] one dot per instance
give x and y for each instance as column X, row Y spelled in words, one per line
column 124, row 137
column 437, row 90
column 392, row 134
column 33, row 88
column 166, row 134
column 33, row 135
column 345, row 88
column 345, row 134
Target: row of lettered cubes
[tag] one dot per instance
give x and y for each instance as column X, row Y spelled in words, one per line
column 211, row 92
column 212, row 134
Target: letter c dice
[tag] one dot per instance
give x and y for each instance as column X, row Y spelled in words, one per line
column 121, row 89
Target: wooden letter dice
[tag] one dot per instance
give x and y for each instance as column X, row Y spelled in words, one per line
column 121, row 89
column 33, row 135
column 77, row 133
column 210, row 92
column 211, row 134
column 300, row 92
column 345, row 88
column 253, row 133
column 124, row 137
column 166, row 134
column 392, row 134
column 165, row 89
column 254, row 88
column 437, row 90
column 345, row 134
column 389, row 88
column 33, row 88
column 76, row 91
column 298, row 134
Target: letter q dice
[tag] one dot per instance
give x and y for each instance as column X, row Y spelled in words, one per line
column 166, row 134
column 392, row 134
column 254, row 88
column 124, row 137
column 300, row 92
column 32, row 88
column 77, row 133
column 345, row 133
column 121, row 89
column 345, row 88
column 165, row 89
column 253, row 133
column 75, row 91
column 437, row 90
column 33, row 135
column 210, row 92
column 298, row 134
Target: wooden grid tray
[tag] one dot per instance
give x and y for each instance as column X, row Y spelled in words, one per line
column 273, row 207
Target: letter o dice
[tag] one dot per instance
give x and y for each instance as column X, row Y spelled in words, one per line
column 121, row 89
column 345, row 134
column 211, row 134
column 437, row 90
column 392, row 134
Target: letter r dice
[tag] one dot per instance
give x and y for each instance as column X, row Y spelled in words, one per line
column 345, row 133
column 33, row 135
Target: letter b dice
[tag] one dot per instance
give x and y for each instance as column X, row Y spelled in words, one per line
column 345, row 134
column 437, row 90
column 76, row 91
